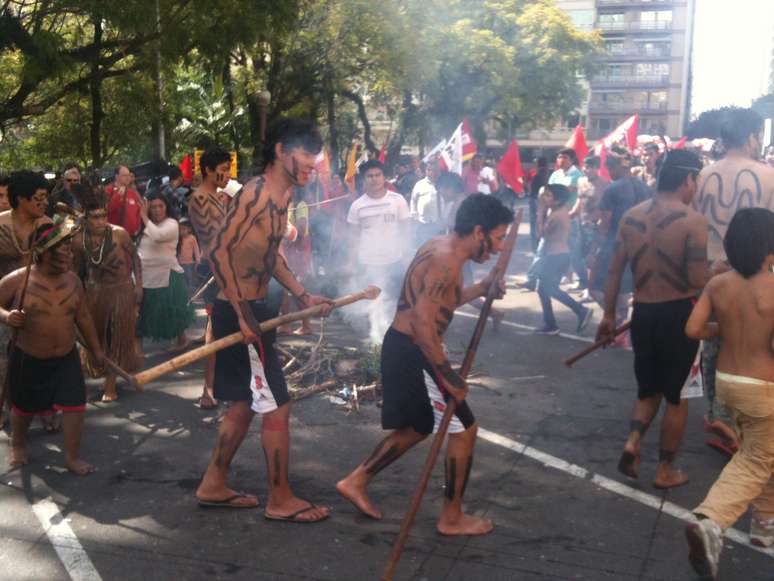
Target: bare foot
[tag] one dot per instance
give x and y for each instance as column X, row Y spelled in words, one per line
column 668, row 477
column 19, row 456
column 235, row 499
column 80, row 467
column 629, row 464
column 357, row 496
column 109, row 396
column 465, row 525
column 296, row 509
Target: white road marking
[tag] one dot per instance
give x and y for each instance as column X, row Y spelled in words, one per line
column 528, row 328
column 611, row 485
column 75, row 560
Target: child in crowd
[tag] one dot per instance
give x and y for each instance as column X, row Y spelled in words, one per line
column 188, row 254
column 556, row 260
column 742, row 302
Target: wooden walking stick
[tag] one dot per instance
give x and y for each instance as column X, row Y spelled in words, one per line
column 107, row 362
column 498, row 273
column 596, row 345
column 12, row 343
column 369, row 293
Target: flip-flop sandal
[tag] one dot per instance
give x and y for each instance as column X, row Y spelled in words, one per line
column 226, row 502
column 721, row 446
column 294, row 517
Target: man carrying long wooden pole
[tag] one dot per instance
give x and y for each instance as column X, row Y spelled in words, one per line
column 416, row 374
column 249, row 375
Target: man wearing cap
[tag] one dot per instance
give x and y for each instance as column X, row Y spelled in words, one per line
column 44, row 368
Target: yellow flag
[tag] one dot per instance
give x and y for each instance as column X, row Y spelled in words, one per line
column 349, row 178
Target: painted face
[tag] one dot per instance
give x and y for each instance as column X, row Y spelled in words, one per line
column 222, row 174
column 61, row 257
column 490, row 244
column 5, row 203
column 374, row 181
column 157, row 211
column 36, row 205
column 96, row 221
column 297, row 165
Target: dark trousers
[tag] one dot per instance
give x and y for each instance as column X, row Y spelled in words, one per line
column 577, row 257
column 552, row 268
column 533, row 233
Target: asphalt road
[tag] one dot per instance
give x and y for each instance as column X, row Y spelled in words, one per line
column 561, row 510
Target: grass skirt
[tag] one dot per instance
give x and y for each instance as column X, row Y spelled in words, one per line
column 114, row 311
column 165, row 312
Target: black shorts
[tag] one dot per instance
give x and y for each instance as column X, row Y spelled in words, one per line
column 42, row 385
column 251, row 373
column 412, row 397
column 663, row 353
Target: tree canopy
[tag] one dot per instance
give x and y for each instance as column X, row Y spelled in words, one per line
column 93, row 81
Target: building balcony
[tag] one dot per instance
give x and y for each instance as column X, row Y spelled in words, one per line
column 630, row 80
column 626, row 108
column 638, row 53
column 635, row 26
column 640, row 3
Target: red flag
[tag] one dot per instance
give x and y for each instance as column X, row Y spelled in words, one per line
column 602, row 160
column 383, row 153
column 468, row 144
column 680, row 144
column 628, row 130
column 577, row 142
column 186, row 168
column 509, row 167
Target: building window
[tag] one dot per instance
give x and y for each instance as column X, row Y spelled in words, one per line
column 654, row 48
column 611, row 20
column 658, row 100
column 614, row 47
column 655, row 19
column 582, row 19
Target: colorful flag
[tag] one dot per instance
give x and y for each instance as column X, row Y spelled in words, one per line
column 468, row 144
column 349, row 177
column 509, row 167
column 577, row 142
column 383, row 153
column 186, row 168
column 452, row 153
column 627, row 130
column 435, row 151
column 680, row 144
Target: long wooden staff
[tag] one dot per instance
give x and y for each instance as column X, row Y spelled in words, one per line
column 201, row 289
column 596, row 345
column 369, row 293
column 498, row 272
column 107, row 362
column 12, row 343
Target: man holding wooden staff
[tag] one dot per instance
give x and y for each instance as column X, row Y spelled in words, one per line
column 665, row 241
column 244, row 258
column 417, row 377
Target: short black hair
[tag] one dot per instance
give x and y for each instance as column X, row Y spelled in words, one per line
column 24, row 184
column 211, row 159
column 174, row 172
column 481, row 210
column 651, row 146
column 749, row 240
column 676, row 166
column 738, row 125
column 291, row 132
column 157, row 195
column 569, row 152
column 450, row 181
column 560, row 192
column 371, row 164
column 592, row 161
column 3, row 179
column 542, row 161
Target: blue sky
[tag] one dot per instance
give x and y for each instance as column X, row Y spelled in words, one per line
column 732, row 52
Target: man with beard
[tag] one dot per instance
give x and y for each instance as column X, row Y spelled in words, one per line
column 44, row 369
column 107, row 259
column 417, row 377
column 244, row 257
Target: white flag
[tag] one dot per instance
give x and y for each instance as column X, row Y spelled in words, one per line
column 452, row 152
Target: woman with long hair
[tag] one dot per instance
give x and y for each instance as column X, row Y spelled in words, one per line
column 165, row 313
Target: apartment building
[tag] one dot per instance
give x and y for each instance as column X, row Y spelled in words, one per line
column 646, row 67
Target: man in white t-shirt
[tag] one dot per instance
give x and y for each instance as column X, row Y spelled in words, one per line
column 378, row 222
column 426, row 205
column 479, row 177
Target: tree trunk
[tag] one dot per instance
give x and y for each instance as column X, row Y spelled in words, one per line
column 95, row 92
column 406, row 121
column 363, row 116
column 333, row 134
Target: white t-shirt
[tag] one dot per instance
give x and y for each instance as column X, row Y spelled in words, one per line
column 379, row 222
column 487, row 175
column 425, row 205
